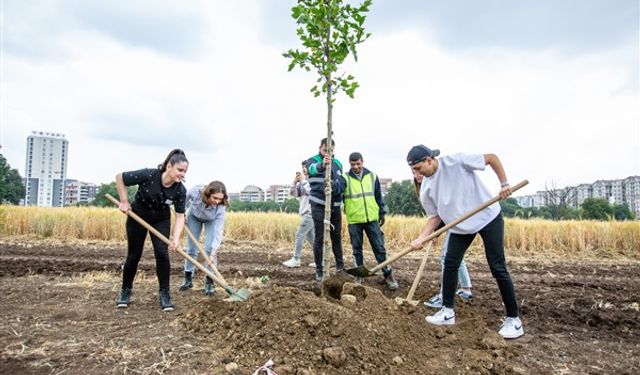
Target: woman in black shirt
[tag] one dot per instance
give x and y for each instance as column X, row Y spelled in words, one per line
column 158, row 189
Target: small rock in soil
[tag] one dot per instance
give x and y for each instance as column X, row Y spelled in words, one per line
column 335, row 356
column 349, row 298
column 231, row 367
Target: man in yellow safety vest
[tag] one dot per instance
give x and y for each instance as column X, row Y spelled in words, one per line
column 365, row 212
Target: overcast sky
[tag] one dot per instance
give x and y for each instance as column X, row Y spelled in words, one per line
column 550, row 86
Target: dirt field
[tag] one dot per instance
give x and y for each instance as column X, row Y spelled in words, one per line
column 58, row 316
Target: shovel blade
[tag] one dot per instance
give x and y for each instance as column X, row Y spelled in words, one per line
column 239, row 295
column 361, row 271
column 401, row 301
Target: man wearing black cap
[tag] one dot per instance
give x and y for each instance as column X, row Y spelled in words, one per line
column 450, row 189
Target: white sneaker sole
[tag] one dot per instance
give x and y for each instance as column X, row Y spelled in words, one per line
column 433, row 306
column 449, row 322
column 167, row 309
column 122, row 306
column 290, row 266
column 514, row 336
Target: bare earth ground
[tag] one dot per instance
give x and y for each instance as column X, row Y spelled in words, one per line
column 58, row 316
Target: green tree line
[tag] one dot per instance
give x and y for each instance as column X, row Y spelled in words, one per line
column 401, row 199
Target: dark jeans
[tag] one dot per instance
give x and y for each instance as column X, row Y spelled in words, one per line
column 136, row 235
column 376, row 239
column 317, row 214
column 493, row 238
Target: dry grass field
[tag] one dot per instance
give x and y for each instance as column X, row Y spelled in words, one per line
column 592, row 239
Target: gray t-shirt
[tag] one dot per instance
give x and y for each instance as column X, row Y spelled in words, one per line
column 200, row 210
column 456, row 189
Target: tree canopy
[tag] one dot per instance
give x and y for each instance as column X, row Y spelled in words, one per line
column 11, row 186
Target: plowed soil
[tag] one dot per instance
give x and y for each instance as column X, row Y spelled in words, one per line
column 59, row 316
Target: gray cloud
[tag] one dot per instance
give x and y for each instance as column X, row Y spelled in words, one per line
column 35, row 29
column 573, row 26
column 136, row 129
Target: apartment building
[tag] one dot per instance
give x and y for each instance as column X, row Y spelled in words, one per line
column 385, row 183
column 45, row 169
column 252, row 193
column 79, row 192
column 622, row 191
column 278, row 193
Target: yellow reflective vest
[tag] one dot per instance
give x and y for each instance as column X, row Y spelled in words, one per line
column 360, row 204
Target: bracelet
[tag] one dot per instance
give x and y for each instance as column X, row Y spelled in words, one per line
column 503, row 184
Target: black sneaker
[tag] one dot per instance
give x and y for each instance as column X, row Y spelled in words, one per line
column 165, row 300
column 319, row 275
column 188, row 282
column 392, row 284
column 125, row 296
column 209, row 289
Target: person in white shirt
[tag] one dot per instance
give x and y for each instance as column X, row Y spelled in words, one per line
column 301, row 190
column 463, row 272
column 450, row 189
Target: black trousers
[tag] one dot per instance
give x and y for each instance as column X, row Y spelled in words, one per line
column 136, row 235
column 376, row 239
column 493, row 238
column 317, row 214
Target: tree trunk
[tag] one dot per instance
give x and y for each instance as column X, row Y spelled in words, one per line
column 326, row 260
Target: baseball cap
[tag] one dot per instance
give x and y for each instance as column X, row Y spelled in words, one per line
column 419, row 153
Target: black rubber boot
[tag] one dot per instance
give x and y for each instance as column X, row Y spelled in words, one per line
column 209, row 287
column 165, row 300
column 125, row 296
column 188, row 281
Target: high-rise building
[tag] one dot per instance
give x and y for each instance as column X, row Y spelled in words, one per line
column 46, row 169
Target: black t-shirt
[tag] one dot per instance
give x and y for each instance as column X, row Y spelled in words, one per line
column 151, row 194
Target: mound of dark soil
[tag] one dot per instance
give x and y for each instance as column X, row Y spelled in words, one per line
column 365, row 334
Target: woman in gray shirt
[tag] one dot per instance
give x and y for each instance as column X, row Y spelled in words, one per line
column 208, row 205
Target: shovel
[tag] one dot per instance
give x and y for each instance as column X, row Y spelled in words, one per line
column 240, row 295
column 362, row 271
column 204, row 254
column 414, row 286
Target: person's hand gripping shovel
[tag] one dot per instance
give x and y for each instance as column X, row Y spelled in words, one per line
column 362, row 271
column 240, row 295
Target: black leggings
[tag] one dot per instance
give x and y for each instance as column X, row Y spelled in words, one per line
column 136, row 235
column 493, row 238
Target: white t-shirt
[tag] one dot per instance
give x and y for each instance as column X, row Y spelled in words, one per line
column 455, row 189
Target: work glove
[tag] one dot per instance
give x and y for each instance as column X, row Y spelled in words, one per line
column 381, row 221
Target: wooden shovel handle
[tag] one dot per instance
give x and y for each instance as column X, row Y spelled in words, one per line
column 448, row 226
column 414, row 286
column 164, row 239
column 204, row 253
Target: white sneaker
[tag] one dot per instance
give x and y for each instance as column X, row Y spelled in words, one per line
column 291, row 263
column 435, row 301
column 312, row 264
column 511, row 328
column 444, row 317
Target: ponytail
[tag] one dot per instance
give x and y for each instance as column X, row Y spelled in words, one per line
column 175, row 156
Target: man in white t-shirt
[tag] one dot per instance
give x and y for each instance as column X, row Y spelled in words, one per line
column 450, row 189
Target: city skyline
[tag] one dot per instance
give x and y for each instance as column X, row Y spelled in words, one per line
column 550, row 87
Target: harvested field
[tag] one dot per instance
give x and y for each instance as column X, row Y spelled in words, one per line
column 59, row 316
